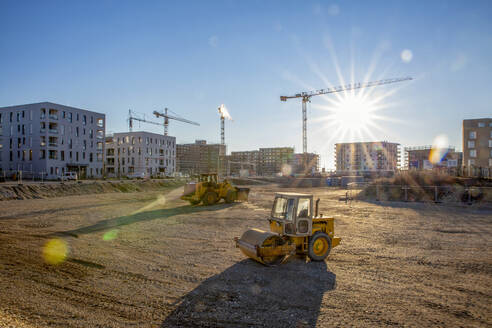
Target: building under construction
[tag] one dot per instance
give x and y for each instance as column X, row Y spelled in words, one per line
column 360, row 158
column 200, row 157
column 428, row 158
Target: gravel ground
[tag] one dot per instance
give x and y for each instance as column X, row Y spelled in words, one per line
column 148, row 259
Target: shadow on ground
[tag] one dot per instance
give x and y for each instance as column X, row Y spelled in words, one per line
column 141, row 216
column 249, row 294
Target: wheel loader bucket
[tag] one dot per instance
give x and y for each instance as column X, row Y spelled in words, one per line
column 242, row 194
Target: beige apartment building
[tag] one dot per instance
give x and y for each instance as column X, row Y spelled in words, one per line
column 477, row 143
column 360, row 157
column 200, row 157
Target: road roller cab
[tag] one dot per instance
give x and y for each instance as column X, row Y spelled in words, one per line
column 295, row 227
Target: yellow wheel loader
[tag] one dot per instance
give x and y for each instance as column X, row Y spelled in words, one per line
column 208, row 191
column 295, row 229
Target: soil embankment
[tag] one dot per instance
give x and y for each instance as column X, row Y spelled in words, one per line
column 57, row 189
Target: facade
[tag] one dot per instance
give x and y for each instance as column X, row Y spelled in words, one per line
column 140, row 154
column 427, row 158
column 371, row 157
column 200, row 157
column 305, row 164
column 47, row 139
column 272, row 160
column 243, row 162
column 477, row 143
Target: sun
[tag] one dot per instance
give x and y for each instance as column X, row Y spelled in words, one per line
column 352, row 113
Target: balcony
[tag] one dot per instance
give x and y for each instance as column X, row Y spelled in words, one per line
column 53, row 116
column 53, row 144
column 54, row 131
column 42, row 130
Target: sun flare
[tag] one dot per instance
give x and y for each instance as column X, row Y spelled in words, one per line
column 352, row 113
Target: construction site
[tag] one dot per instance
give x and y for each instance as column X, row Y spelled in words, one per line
column 227, row 167
column 146, row 258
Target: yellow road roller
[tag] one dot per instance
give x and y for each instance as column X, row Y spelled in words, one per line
column 294, row 229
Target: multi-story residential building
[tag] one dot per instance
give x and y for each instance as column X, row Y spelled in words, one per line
column 200, row 157
column 239, row 161
column 305, row 164
column 47, row 139
column 370, row 157
column 140, row 154
column 272, row 160
column 427, row 158
column 477, row 143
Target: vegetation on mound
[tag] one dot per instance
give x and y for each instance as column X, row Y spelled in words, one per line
column 428, row 186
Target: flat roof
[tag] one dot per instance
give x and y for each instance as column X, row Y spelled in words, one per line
column 296, row 194
column 47, row 103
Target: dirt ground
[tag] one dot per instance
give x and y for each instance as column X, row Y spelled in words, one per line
column 148, row 259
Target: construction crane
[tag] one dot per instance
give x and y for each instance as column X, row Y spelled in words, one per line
column 132, row 118
column 170, row 117
column 224, row 113
column 306, row 97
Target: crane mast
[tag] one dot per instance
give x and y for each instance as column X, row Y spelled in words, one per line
column 306, row 97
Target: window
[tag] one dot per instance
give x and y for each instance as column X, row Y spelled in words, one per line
column 471, row 144
column 42, row 154
column 473, row 153
column 77, row 131
column 62, row 155
column 283, row 209
column 30, row 154
column 490, row 142
column 1, row 118
column 84, row 120
column 91, row 155
column 473, row 134
column 100, row 122
column 78, row 116
column 70, row 117
column 481, row 124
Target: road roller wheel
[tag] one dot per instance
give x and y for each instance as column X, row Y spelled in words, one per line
column 210, row 198
column 319, row 246
column 194, row 202
column 230, row 197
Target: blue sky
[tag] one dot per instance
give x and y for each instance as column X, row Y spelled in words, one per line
column 191, row 56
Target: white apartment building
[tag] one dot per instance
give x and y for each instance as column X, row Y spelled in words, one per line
column 47, row 139
column 132, row 154
column 358, row 157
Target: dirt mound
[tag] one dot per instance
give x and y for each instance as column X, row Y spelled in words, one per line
column 49, row 190
column 423, row 186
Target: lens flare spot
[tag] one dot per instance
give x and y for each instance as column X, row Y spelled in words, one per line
column 110, row 235
column 55, row 251
column 406, row 56
column 286, row 169
column 439, row 149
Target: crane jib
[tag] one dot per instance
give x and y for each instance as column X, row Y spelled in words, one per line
column 346, row 87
